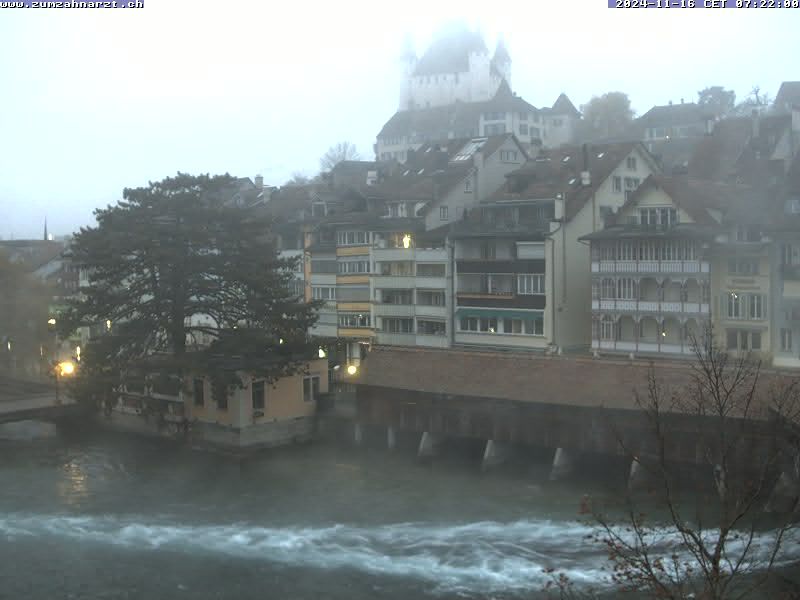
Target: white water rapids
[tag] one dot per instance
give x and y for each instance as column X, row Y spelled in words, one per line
column 482, row 557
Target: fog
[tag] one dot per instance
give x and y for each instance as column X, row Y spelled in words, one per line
column 98, row 100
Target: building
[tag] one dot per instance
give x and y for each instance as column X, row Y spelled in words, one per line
column 456, row 91
column 785, row 291
column 516, row 261
column 788, row 97
column 456, row 67
column 679, row 255
column 257, row 414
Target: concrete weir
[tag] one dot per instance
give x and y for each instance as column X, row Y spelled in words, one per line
column 563, row 464
column 495, row 454
column 428, row 445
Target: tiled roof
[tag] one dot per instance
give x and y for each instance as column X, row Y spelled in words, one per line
column 715, row 155
column 698, row 197
column 558, row 171
column 673, row 114
column 564, row 106
column 459, row 118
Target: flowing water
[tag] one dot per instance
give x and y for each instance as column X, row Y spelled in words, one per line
column 103, row 516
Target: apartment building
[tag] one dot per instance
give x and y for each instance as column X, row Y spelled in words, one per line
column 516, row 259
column 682, row 254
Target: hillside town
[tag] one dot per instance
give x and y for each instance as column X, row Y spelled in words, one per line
column 582, row 322
column 486, row 223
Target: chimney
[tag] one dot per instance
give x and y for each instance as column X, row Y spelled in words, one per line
column 260, row 182
column 586, row 174
column 681, row 100
column 755, row 123
column 796, row 118
column 670, row 102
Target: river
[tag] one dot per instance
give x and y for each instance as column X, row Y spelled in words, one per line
column 102, row 516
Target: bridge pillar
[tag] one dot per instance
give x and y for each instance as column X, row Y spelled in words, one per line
column 563, row 464
column 391, row 438
column 358, row 434
column 495, row 454
column 428, row 445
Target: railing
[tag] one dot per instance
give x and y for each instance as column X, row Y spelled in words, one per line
column 650, row 266
column 652, row 306
column 649, row 347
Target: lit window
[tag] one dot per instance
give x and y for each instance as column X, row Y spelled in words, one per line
column 443, row 216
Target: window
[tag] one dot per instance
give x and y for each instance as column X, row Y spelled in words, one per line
column 755, row 303
column 351, row 267
column 508, row 155
column 631, row 163
column 523, row 128
column 468, row 324
column 488, row 251
column 787, row 254
column 351, row 238
column 425, row 327
column 631, row 183
column 199, row 392
column 397, row 296
column 743, row 266
column 222, row 399
column 430, row 270
column 626, row 289
column 530, row 284
column 395, row 209
column 468, row 185
column 310, row 388
column 443, row 213
column 607, row 329
column 747, row 234
column 607, row 289
column 257, row 395
column 786, row 340
column 652, row 217
column 742, row 339
column 430, row 297
column 354, row 320
column 734, row 306
column 488, row 324
column 392, row 325
column 617, row 181
column 323, row 293
column 397, row 269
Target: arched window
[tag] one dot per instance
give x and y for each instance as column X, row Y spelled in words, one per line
column 608, row 289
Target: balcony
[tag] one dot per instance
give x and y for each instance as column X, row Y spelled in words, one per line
column 394, row 282
column 648, row 347
column 511, row 266
column 394, row 310
column 791, row 272
column 651, row 266
column 431, row 310
column 502, row 300
column 652, row 306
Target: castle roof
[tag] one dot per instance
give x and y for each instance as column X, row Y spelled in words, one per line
column 564, row 106
column 461, row 118
column 450, row 53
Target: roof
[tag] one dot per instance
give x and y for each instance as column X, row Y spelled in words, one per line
column 699, row 197
column 673, row 114
column 501, row 52
column 564, row 106
column 449, row 53
column 558, row 171
column 31, row 254
column 714, row 156
column 788, row 96
column 458, row 119
column 431, row 172
column 679, row 231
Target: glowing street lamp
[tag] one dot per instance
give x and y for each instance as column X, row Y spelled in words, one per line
column 406, row 241
column 322, row 353
column 78, row 353
column 51, row 321
column 66, row 367
column 108, row 324
column 352, row 369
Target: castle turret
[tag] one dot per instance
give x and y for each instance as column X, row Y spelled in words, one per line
column 502, row 60
column 408, row 60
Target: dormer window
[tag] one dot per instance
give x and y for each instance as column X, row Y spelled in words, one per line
column 747, row 234
column 631, row 163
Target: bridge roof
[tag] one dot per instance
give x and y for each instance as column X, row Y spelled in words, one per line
column 575, row 381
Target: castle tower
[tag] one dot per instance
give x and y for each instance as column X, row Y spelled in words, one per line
column 408, row 59
column 502, row 60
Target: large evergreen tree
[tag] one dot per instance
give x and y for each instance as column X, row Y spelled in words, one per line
column 178, row 272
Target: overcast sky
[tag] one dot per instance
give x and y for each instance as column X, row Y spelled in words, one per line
column 93, row 101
